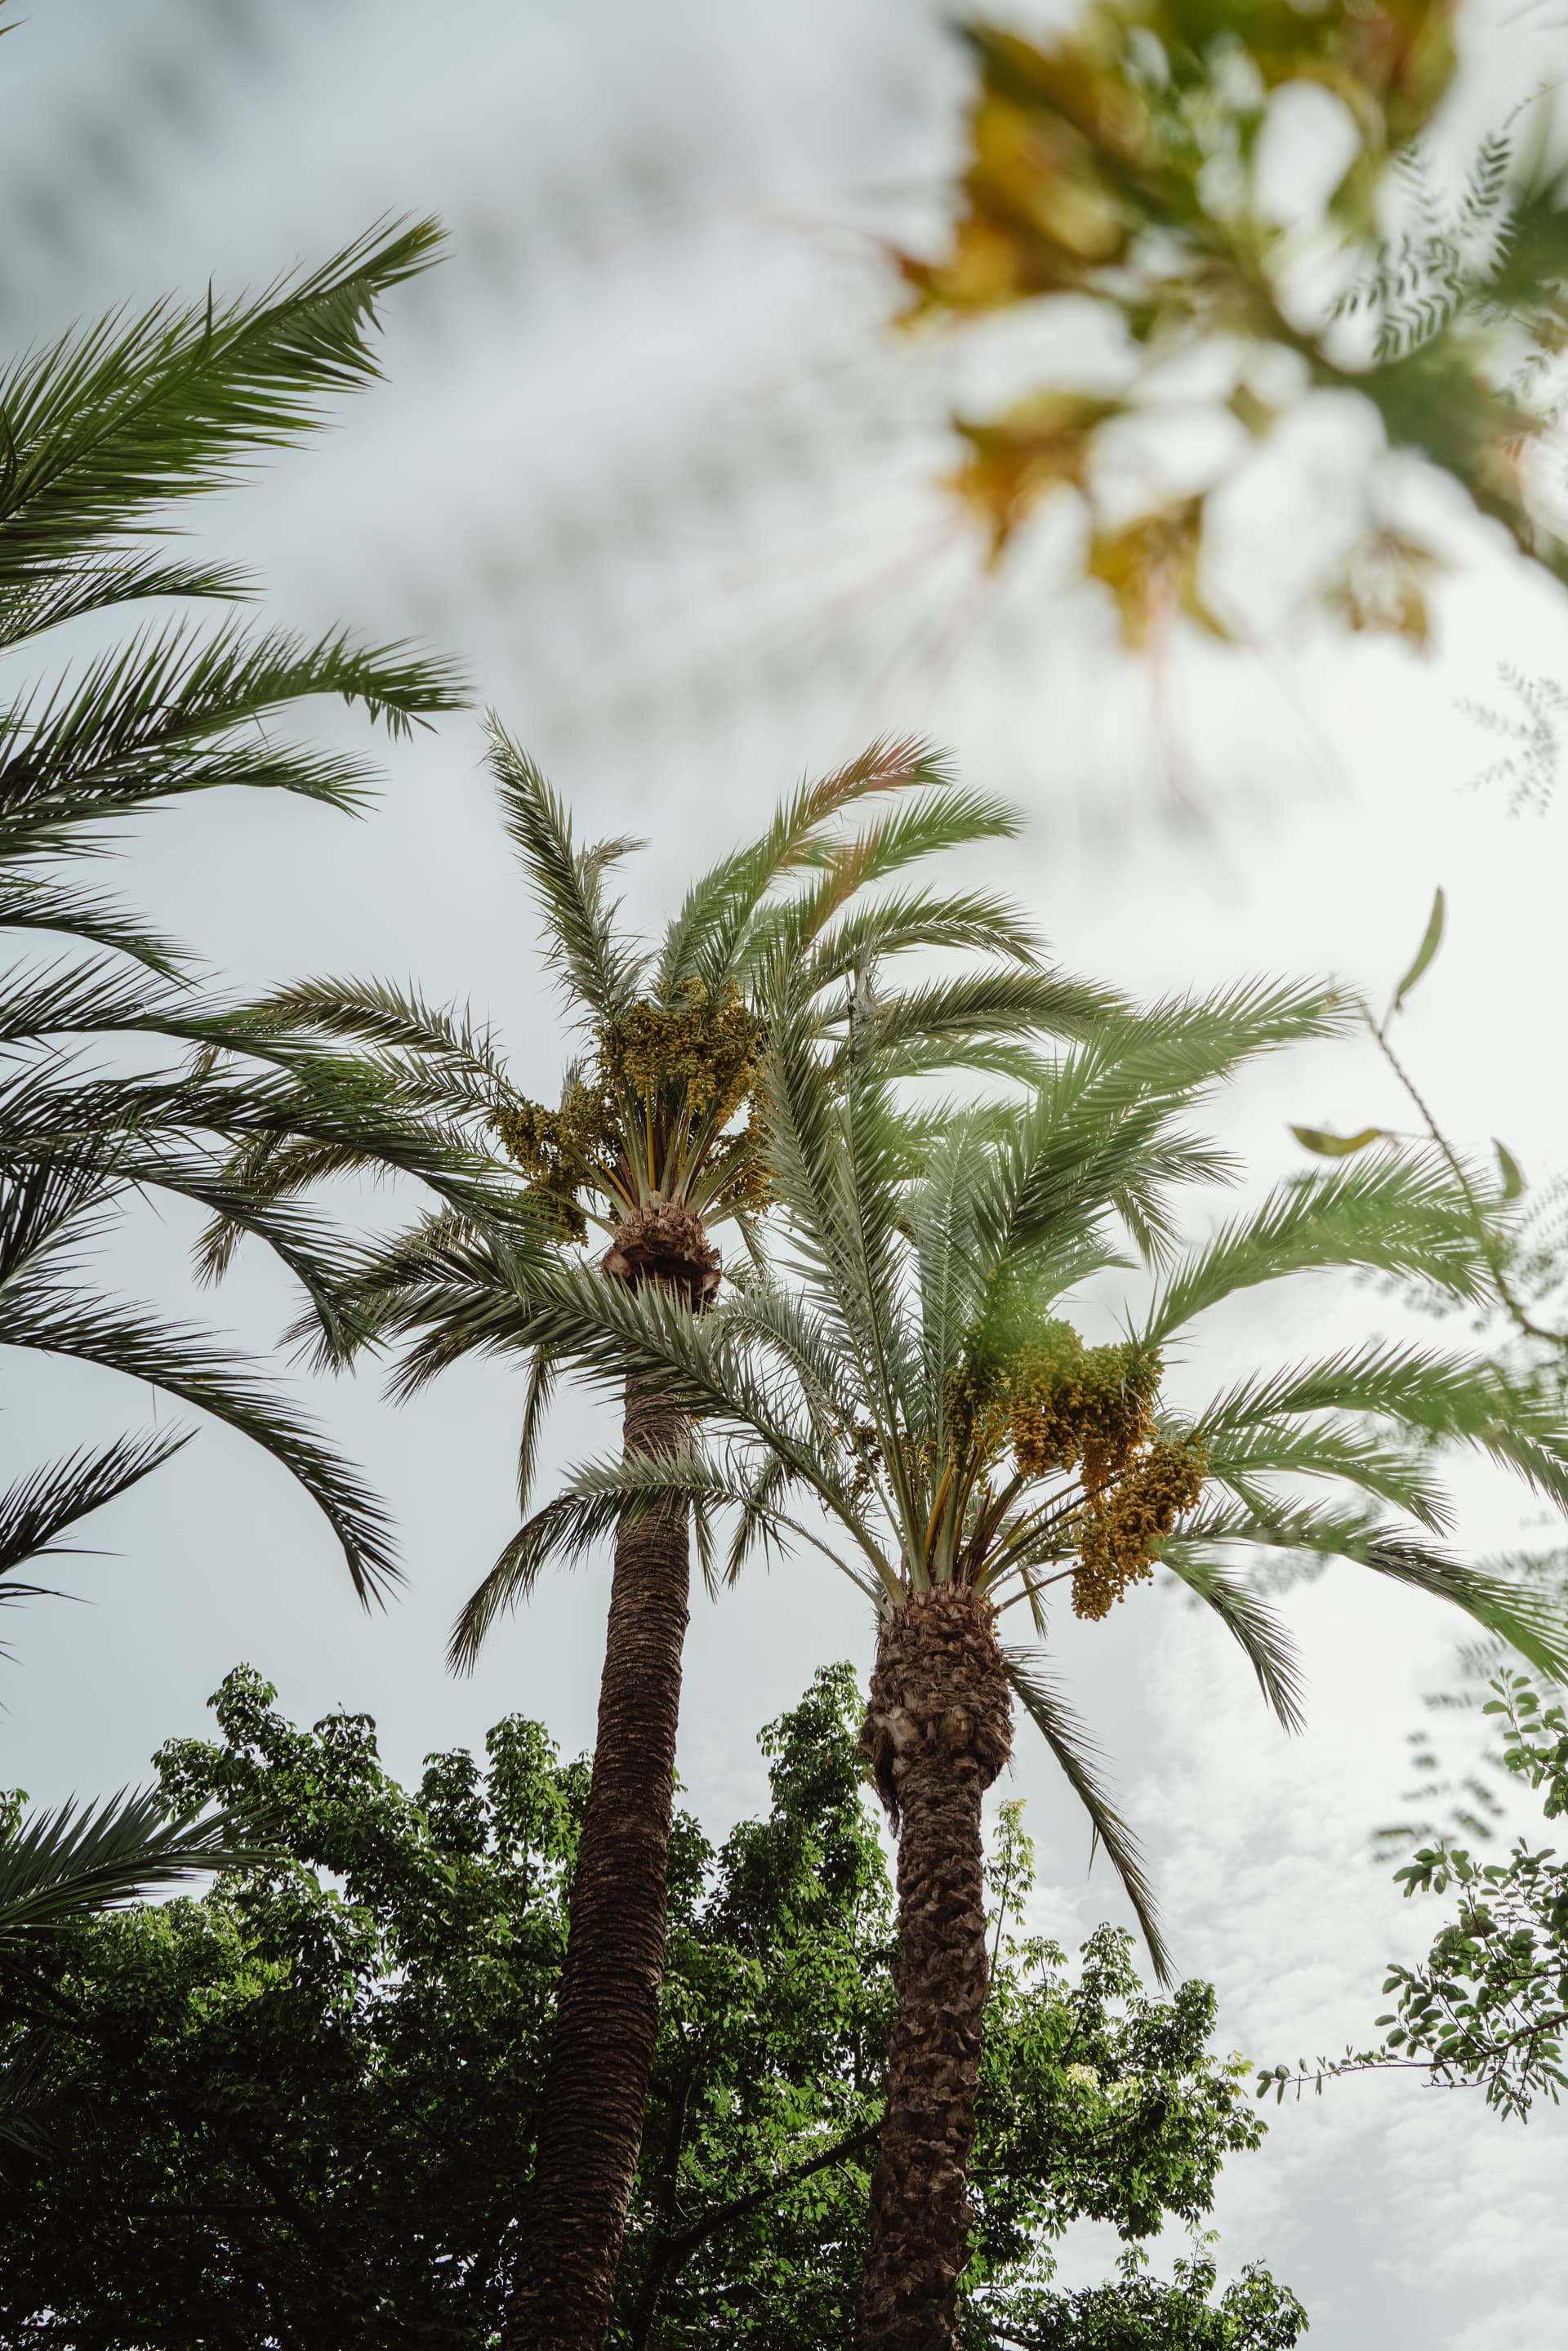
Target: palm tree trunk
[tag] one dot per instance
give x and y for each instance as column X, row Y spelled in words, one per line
column 607, row 2014
column 937, row 1731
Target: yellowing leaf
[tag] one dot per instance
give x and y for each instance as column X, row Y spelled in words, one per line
column 1151, row 569
column 1021, row 459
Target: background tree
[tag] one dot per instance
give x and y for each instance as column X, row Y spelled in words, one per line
column 645, row 1146
column 302, row 2104
column 917, row 1382
column 1118, row 162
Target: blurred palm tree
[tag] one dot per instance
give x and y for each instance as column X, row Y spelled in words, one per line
column 915, row 1380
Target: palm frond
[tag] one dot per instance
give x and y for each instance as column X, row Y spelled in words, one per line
column 36, row 1510
column 1006, row 1005
column 1401, row 1213
column 1064, row 1734
column 1267, row 1648
column 109, row 424
column 87, row 916
column 703, row 941
column 565, row 1529
column 437, row 1055
column 68, row 591
column 40, row 1312
column 600, row 972
column 62, row 1866
column 173, row 711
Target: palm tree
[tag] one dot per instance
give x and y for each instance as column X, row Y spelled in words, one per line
column 100, row 434
column 657, row 1138
column 920, row 1381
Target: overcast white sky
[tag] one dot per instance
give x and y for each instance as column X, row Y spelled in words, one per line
column 645, row 463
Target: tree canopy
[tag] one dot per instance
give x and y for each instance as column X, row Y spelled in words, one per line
column 300, row 2109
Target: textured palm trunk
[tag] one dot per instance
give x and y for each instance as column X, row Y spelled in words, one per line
column 607, row 2005
column 937, row 1731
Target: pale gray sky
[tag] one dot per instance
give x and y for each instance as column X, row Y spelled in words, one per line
column 646, row 463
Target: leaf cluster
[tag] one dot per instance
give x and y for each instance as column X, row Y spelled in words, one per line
column 1488, row 2007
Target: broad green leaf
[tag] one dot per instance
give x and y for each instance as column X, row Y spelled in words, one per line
column 1336, row 1146
column 1509, row 1169
column 1431, row 941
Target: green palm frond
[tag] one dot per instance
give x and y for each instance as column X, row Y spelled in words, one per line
column 1327, row 1449
column 97, row 921
column 36, row 1510
column 1530, row 1622
column 83, row 1000
column 1267, row 1648
column 41, row 1311
column 71, row 590
column 60, row 1867
column 1009, row 1005
column 174, row 711
column 564, row 1531
column 436, row 1056
column 601, row 974
column 1078, row 1762
column 702, row 941
column 1398, row 1213
column 107, row 426
column 903, row 922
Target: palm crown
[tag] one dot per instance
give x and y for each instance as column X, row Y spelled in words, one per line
column 660, row 1130
column 919, row 1373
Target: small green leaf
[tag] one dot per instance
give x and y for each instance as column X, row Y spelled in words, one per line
column 1430, row 943
column 1335, row 1147
column 1509, row 1168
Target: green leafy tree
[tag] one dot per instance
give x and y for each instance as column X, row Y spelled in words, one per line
column 915, row 1381
column 1488, row 2007
column 295, row 2111
column 1114, row 165
column 656, row 1140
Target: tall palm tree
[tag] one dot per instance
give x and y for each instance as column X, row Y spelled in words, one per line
column 919, row 1380
column 658, row 1137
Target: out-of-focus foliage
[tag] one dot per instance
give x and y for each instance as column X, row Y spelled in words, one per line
column 300, row 2109
column 1488, row 2007
column 1121, row 165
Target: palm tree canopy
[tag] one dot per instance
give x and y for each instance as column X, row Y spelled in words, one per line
column 659, row 1131
column 914, row 1396
column 102, row 433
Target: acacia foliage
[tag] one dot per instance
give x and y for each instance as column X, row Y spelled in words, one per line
column 1488, row 2007
column 300, row 2109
